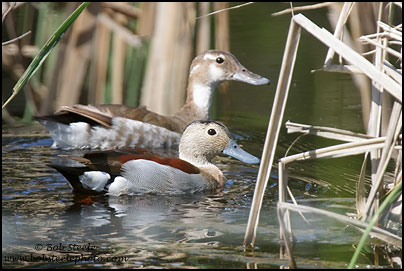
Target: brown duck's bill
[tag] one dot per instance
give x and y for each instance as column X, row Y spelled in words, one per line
column 246, row 76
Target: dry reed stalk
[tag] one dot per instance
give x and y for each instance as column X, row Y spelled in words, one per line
column 391, row 71
column 361, row 189
column 48, row 104
column 286, row 236
column 77, row 58
column 392, row 32
column 7, row 7
column 127, row 35
column 169, row 58
column 15, row 39
column 285, row 229
column 203, row 31
column 340, row 150
column 124, row 8
column 295, row 203
column 362, row 146
column 146, row 19
column 272, row 135
column 376, row 43
column 374, row 125
column 222, row 37
column 351, row 56
column 308, row 7
column 225, row 9
column 393, row 132
column 222, row 42
column 399, row 168
column 342, row 18
column 326, row 132
column 362, row 83
column 379, row 113
column 118, row 64
column 99, row 63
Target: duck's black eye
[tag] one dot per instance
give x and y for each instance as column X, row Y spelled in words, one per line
column 211, row 132
column 219, row 60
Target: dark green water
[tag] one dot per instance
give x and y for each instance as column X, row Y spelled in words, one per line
column 45, row 226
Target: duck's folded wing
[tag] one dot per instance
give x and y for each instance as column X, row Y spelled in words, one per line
column 79, row 113
column 146, row 176
column 142, row 114
column 103, row 114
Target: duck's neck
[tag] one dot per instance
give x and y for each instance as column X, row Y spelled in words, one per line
column 199, row 98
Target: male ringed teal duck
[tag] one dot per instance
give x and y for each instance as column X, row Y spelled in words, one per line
column 144, row 172
column 120, row 126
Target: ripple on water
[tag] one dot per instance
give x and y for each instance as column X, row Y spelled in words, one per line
column 202, row 230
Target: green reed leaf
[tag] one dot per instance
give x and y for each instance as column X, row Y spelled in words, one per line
column 389, row 199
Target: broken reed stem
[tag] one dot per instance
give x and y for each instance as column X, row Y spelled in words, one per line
column 322, row 5
column 11, row 6
column 220, row 10
column 15, row 39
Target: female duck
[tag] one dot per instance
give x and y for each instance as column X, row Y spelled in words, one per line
column 119, row 126
column 147, row 173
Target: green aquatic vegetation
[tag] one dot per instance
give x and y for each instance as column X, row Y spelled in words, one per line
column 389, row 199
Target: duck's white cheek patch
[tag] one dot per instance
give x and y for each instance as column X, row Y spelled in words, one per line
column 216, row 73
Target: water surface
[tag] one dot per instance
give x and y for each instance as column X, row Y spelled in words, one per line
column 45, row 225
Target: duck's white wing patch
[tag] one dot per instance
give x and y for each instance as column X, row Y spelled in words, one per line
column 144, row 176
column 94, row 180
column 120, row 186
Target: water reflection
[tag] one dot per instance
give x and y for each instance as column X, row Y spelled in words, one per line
column 203, row 230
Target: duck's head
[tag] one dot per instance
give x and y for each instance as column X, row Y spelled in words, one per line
column 216, row 66
column 202, row 140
